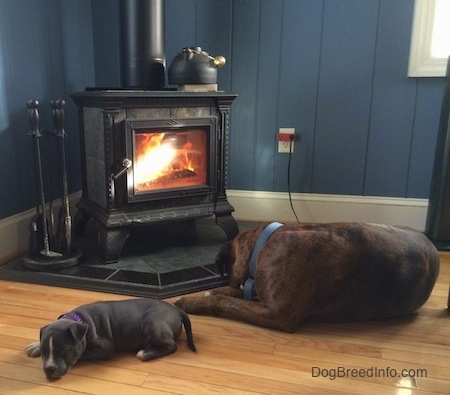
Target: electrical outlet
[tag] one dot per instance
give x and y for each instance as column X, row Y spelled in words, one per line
column 285, row 146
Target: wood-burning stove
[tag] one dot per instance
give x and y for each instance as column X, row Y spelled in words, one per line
column 149, row 157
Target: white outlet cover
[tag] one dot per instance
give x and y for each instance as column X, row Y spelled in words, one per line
column 283, row 146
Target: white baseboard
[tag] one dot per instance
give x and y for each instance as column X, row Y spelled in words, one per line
column 275, row 206
column 14, row 231
column 265, row 206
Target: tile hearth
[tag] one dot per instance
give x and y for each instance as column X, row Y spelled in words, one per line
column 157, row 261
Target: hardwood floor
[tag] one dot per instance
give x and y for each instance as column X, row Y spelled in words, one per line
column 236, row 358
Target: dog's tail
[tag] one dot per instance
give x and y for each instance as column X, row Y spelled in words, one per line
column 188, row 328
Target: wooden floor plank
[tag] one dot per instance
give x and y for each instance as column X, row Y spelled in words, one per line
column 235, row 357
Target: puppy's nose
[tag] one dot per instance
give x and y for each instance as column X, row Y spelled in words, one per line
column 50, row 372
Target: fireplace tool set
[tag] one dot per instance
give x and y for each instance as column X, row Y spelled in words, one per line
column 50, row 244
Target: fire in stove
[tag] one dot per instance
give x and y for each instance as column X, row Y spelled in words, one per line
column 170, row 160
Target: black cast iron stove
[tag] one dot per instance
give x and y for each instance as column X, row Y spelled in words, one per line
column 149, row 157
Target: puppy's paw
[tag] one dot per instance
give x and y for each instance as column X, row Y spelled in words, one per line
column 33, row 349
column 141, row 355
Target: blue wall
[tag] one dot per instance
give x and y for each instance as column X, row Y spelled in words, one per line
column 336, row 70
column 333, row 69
column 46, row 52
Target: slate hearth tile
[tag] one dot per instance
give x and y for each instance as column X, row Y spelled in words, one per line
column 128, row 276
column 185, row 275
column 176, row 258
column 86, row 272
column 212, row 267
column 163, row 263
column 160, row 266
column 129, row 263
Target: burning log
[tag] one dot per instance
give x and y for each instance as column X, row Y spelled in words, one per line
column 168, row 180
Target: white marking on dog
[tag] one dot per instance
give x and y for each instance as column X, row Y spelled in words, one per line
column 51, row 358
column 207, row 293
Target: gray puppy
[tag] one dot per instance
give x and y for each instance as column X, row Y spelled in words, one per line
column 98, row 330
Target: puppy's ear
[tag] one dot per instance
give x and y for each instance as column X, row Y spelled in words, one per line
column 42, row 331
column 78, row 330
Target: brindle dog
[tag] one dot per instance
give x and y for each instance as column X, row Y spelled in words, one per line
column 323, row 273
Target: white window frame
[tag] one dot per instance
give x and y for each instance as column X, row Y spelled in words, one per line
column 421, row 61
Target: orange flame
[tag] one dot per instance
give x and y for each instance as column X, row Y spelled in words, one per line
column 153, row 158
column 159, row 160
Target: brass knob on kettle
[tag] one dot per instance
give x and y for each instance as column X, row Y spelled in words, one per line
column 219, row 61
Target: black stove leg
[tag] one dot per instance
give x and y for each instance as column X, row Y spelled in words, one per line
column 111, row 242
column 228, row 224
column 80, row 221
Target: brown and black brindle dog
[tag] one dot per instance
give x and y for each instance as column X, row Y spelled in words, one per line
column 327, row 272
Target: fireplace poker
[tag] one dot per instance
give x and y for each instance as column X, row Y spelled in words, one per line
column 33, row 117
column 58, row 122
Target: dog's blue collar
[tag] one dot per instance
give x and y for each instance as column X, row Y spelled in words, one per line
column 74, row 316
column 249, row 289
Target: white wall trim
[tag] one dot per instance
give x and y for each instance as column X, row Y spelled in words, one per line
column 274, row 206
column 265, row 206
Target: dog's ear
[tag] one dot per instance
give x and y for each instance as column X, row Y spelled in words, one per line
column 42, row 331
column 225, row 258
column 78, row 330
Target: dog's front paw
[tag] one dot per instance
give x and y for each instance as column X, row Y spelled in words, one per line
column 188, row 304
column 33, row 349
column 181, row 303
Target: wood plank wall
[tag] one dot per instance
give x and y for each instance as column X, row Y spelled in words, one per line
column 336, row 71
column 46, row 52
column 333, row 69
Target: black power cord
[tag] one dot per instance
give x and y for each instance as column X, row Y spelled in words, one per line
column 291, row 140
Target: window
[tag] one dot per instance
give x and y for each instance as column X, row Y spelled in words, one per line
column 430, row 39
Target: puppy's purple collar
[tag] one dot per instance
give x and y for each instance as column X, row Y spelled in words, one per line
column 249, row 289
column 74, row 316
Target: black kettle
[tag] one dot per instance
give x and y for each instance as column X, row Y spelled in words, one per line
column 194, row 66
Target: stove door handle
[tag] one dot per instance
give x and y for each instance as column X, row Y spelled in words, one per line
column 126, row 163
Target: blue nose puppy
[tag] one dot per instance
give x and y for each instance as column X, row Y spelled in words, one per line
column 97, row 330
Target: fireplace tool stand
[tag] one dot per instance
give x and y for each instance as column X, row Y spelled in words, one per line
column 50, row 247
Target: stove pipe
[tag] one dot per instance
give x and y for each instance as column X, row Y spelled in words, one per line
column 142, row 55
